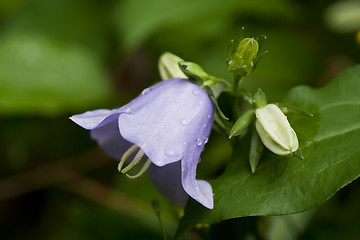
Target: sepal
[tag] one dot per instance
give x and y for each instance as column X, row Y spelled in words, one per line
column 242, row 123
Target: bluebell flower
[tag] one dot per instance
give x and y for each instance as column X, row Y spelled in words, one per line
column 169, row 123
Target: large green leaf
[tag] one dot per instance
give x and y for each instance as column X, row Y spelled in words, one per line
column 329, row 142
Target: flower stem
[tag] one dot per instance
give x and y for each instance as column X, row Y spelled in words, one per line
column 155, row 204
column 236, row 108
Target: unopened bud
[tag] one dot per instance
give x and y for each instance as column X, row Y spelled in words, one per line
column 241, row 58
column 169, row 66
column 275, row 131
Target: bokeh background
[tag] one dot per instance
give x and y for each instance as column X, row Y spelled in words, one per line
column 63, row 57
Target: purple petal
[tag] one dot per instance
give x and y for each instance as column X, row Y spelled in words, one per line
column 104, row 128
column 110, row 140
column 97, row 118
column 167, row 180
column 199, row 190
column 165, row 119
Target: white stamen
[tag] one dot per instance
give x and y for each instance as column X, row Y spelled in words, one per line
column 126, row 155
column 135, row 161
column 142, row 170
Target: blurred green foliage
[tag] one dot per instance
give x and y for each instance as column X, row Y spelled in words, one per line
column 61, row 57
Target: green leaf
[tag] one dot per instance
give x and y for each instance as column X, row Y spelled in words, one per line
column 329, row 142
column 39, row 75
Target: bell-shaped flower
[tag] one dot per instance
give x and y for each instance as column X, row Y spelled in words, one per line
column 169, row 123
column 275, row 131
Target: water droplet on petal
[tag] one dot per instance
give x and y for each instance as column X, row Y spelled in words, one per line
column 209, row 116
column 204, row 125
column 200, row 103
column 177, row 100
column 184, row 143
column 171, row 153
column 184, row 122
column 206, row 139
column 198, row 142
column 129, row 110
column 165, row 139
column 196, row 92
column 145, row 91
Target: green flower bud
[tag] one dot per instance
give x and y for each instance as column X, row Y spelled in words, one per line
column 241, row 57
column 169, row 66
column 275, row 131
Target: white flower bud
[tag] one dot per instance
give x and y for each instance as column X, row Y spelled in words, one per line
column 275, row 131
column 169, row 66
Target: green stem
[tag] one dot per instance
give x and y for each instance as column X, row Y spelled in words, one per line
column 236, row 109
column 155, row 204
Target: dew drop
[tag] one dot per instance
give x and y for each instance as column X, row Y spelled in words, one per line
column 200, row 103
column 198, row 142
column 177, row 100
column 165, row 139
column 206, row 139
column 196, row 92
column 184, row 143
column 184, row 122
column 204, row 125
column 129, row 110
column 209, row 116
column 171, row 153
column 145, row 91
